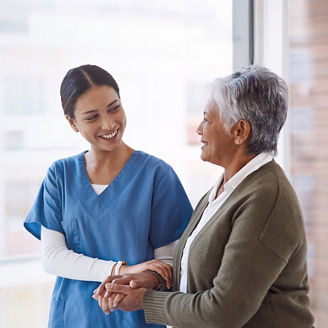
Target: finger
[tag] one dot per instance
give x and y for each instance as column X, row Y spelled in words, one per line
column 122, row 280
column 161, row 266
column 168, row 285
column 162, row 270
column 101, row 289
column 105, row 306
column 115, row 288
column 107, row 294
column 110, row 303
column 117, row 300
column 165, row 270
column 102, row 302
column 168, row 275
column 136, row 283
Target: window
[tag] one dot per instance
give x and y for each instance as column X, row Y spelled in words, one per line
column 162, row 55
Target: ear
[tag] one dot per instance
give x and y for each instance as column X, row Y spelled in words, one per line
column 241, row 131
column 71, row 123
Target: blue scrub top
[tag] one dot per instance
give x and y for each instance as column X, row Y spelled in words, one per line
column 145, row 207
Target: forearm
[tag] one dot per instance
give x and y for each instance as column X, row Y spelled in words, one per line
column 57, row 259
column 165, row 253
column 238, row 291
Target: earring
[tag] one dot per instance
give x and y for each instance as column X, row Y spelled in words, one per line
column 237, row 142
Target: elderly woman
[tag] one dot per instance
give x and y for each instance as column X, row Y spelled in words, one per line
column 241, row 261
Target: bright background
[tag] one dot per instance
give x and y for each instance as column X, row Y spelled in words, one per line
column 163, row 54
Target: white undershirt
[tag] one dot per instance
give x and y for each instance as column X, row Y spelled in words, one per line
column 215, row 204
column 57, row 259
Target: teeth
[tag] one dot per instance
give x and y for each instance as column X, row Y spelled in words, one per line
column 110, row 136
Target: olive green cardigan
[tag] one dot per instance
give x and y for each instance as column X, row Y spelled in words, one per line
column 247, row 266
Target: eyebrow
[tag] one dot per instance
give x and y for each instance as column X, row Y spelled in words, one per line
column 95, row 110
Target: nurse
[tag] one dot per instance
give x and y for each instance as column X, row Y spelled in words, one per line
column 108, row 210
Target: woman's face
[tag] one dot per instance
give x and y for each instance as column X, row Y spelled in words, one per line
column 217, row 144
column 100, row 118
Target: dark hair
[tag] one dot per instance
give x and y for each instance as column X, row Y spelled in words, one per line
column 80, row 79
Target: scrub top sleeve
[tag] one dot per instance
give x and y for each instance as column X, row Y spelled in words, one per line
column 171, row 210
column 46, row 210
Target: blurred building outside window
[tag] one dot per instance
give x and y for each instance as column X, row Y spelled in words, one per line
column 308, row 83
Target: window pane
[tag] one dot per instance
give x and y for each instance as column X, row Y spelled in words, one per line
column 162, row 54
column 162, row 57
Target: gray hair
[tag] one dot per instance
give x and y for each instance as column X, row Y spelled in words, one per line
column 259, row 96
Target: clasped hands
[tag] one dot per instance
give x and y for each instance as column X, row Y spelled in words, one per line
column 125, row 292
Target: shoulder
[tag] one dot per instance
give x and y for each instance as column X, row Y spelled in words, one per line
column 151, row 160
column 152, row 164
column 271, row 209
column 269, row 184
column 62, row 165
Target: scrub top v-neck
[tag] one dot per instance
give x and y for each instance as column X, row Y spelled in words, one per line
column 145, row 207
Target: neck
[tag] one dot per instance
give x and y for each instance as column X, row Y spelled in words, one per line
column 235, row 165
column 99, row 158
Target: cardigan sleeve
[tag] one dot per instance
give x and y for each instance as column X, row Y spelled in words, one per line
column 246, row 274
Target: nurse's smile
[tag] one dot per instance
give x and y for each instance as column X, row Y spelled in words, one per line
column 110, row 135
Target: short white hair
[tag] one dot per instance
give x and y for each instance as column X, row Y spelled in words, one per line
column 257, row 95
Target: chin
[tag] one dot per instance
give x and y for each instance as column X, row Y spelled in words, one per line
column 203, row 157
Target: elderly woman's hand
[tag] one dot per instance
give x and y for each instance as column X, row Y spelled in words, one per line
column 163, row 269
column 129, row 299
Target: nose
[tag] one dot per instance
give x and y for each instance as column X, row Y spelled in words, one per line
column 107, row 123
column 199, row 129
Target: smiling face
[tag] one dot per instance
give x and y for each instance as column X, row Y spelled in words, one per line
column 217, row 145
column 100, row 118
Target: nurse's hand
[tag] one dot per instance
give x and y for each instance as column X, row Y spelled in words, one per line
column 105, row 299
column 163, row 269
column 109, row 302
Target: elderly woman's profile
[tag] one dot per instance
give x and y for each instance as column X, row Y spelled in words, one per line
column 241, row 262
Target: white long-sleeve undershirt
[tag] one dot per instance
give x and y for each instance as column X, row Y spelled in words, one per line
column 57, row 259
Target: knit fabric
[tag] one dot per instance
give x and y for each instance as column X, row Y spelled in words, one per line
column 247, row 266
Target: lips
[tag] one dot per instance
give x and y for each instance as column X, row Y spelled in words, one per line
column 204, row 143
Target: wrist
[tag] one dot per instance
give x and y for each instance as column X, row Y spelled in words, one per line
column 124, row 269
column 159, row 281
column 117, row 268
